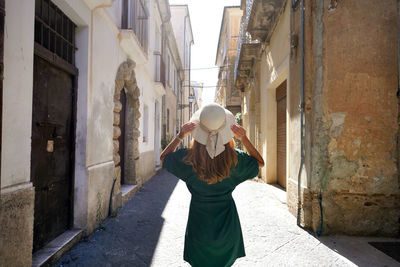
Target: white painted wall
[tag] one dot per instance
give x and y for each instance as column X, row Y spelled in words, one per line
column 273, row 71
column 17, row 92
column 98, row 57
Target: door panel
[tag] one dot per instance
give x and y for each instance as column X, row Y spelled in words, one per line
column 52, row 128
column 281, row 134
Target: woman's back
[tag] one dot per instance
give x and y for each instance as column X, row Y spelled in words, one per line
column 213, row 234
column 211, row 169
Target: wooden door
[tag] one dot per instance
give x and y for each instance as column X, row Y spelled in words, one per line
column 121, row 138
column 2, row 15
column 281, row 134
column 51, row 157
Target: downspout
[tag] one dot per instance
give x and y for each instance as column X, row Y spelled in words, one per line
column 301, row 108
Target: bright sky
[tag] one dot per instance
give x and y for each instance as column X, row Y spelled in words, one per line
column 206, row 17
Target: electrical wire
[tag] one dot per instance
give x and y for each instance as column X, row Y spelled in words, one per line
column 206, row 68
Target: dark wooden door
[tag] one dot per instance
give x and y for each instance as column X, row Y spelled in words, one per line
column 2, row 15
column 281, row 134
column 121, row 138
column 52, row 132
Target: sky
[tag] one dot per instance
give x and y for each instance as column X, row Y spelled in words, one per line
column 206, row 17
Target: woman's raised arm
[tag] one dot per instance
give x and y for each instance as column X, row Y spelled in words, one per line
column 240, row 133
column 186, row 129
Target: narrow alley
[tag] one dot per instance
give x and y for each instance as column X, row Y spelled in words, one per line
column 96, row 95
column 149, row 231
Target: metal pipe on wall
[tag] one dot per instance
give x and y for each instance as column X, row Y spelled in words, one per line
column 301, row 108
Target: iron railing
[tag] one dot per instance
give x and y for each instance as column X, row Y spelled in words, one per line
column 135, row 17
column 244, row 36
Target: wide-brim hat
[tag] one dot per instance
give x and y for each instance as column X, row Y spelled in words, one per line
column 213, row 128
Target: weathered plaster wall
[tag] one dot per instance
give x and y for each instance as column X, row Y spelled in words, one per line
column 16, row 231
column 100, row 183
column 351, row 117
column 361, row 110
column 146, row 166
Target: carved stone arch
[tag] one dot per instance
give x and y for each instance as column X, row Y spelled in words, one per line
column 126, row 80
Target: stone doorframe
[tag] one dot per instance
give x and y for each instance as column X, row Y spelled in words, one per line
column 126, row 80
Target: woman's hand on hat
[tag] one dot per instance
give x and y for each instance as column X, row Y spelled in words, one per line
column 186, row 129
column 238, row 131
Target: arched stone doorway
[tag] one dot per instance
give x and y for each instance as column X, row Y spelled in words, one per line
column 126, row 80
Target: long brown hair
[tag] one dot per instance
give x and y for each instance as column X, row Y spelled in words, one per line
column 211, row 170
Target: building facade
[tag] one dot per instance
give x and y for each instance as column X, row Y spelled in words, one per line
column 226, row 93
column 182, row 28
column 197, row 90
column 173, row 76
column 81, row 124
column 319, row 82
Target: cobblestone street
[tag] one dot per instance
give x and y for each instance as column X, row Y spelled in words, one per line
column 149, row 231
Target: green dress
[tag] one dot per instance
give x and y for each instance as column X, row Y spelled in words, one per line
column 213, row 234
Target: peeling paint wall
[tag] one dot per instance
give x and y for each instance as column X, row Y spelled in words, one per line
column 351, row 80
column 361, row 110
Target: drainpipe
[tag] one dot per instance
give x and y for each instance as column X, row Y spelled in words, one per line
column 301, row 108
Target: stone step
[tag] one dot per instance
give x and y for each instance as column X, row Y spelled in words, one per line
column 127, row 192
column 53, row 251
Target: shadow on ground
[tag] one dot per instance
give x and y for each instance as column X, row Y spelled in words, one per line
column 130, row 239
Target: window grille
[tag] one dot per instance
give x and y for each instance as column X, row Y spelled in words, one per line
column 54, row 30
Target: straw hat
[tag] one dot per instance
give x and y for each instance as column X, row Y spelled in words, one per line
column 213, row 128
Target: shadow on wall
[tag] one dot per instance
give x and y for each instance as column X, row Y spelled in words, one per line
column 130, row 239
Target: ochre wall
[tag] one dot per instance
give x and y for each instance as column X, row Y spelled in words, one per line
column 351, row 75
column 361, row 111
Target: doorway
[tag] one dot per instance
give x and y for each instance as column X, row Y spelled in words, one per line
column 157, row 133
column 53, row 122
column 52, row 147
column 121, row 138
column 281, row 134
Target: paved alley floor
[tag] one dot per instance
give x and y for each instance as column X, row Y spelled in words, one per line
column 149, row 231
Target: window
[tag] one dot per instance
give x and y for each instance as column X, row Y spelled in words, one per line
column 145, row 124
column 167, row 120
column 169, row 70
column 175, row 80
column 135, row 17
column 54, row 30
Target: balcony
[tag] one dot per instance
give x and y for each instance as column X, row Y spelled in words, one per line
column 257, row 25
column 95, row 3
column 247, row 51
column 264, row 16
column 134, row 30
